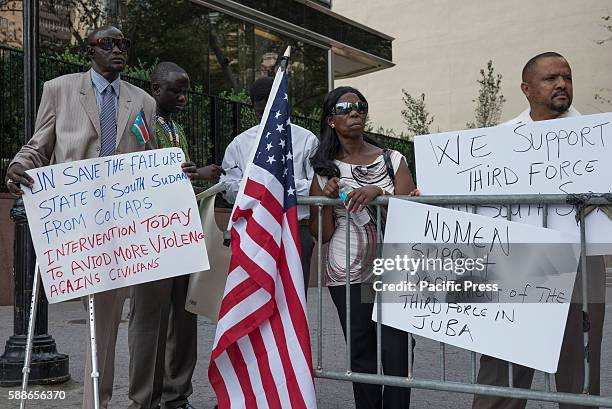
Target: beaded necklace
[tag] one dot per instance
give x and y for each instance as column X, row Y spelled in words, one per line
column 170, row 129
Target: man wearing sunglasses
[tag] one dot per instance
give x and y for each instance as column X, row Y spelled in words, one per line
column 82, row 116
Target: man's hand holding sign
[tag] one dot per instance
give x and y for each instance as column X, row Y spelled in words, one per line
column 548, row 149
column 112, row 222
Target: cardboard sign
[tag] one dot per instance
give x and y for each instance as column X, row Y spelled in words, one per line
column 206, row 288
column 530, row 271
column 568, row 155
column 112, row 222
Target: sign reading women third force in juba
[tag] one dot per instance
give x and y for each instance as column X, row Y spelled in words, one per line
column 487, row 285
column 112, row 222
column 569, row 155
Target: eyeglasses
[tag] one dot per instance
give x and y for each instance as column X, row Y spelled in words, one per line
column 108, row 43
column 345, row 108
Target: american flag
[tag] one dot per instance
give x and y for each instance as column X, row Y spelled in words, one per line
column 261, row 355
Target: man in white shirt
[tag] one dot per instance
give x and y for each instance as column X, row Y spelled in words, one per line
column 237, row 157
column 547, row 84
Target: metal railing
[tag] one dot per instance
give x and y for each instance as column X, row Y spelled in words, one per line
column 471, row 387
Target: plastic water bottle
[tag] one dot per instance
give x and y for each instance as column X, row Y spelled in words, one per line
column 360, row 218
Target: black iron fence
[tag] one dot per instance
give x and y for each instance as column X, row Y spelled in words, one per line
column 210, row 122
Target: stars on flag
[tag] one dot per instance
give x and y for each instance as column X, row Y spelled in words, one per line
column 276, row 147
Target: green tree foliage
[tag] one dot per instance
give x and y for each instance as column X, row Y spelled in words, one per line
column 415, row 114
column 390, row 132
column 70, row 55
column 168, row 30
column 79, row 16
column 140, row 70
column 490, row 101
column 248, row 118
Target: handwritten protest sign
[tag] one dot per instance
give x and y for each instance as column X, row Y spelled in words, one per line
column 569, row 155
column 513, row 308
column 111, row 222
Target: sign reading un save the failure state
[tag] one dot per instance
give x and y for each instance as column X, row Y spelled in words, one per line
column 111, row 222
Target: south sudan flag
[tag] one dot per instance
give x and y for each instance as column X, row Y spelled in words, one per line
column 139, row 128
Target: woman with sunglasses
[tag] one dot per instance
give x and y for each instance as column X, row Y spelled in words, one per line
column 346, row 158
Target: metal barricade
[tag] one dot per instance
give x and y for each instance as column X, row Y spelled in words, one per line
column 579, row 201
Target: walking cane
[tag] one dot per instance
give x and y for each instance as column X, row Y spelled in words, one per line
column 94, row 352
column 30, row 337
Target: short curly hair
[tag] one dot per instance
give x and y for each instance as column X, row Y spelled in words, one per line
column 163, row 69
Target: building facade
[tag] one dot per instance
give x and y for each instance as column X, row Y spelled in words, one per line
column 441, row 45
column 223, row 45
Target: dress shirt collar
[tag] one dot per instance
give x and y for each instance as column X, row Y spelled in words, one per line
column 525, row 116
column 100, row 83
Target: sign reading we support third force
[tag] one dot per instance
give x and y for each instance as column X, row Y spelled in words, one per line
column 111, row 222
column 569, row 155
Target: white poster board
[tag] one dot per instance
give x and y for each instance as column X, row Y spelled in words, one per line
column 523, row 321
column 112, row 222
column 206, row 288
column 568, row 155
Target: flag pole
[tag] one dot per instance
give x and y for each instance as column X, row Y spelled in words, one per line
column 277, row 79
column 285, row 59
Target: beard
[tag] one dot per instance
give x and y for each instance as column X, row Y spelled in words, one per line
column 560, row 105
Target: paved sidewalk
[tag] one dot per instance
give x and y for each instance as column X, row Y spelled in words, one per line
column 67, row 326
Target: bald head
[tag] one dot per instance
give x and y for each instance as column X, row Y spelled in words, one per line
column 162, row 71
column 105, row 31
column 547, row 85
column 530, row 67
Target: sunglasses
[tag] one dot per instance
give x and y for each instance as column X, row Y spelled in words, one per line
column 345, row 108
column 108, row 43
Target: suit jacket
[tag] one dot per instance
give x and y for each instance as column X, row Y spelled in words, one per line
column 68, row 123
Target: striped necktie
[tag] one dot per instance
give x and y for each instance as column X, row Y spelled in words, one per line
column 108, row 122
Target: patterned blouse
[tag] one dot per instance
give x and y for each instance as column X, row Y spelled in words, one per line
column 362, row 238
column 171, row 135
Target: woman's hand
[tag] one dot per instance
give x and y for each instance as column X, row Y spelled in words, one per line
column 210, row 172
column 362, row 196
column 415, row 192
column 332, row 188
